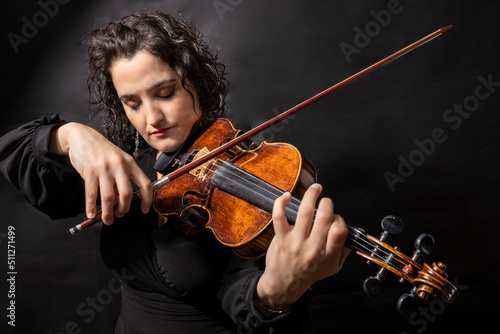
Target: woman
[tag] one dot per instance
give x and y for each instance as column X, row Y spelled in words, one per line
column 159, row 83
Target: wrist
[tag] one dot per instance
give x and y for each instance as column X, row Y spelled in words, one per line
column 273, row 308
column 271, row 297
column 59, row 139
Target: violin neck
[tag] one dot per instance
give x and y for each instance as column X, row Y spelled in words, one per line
column 242, row 184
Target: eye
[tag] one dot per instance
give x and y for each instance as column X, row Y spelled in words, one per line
column 131, row 103
column 166, row 94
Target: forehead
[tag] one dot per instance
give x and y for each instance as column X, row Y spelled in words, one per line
column 141, row 71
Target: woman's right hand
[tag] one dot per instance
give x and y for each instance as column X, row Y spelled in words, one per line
column 105, row 168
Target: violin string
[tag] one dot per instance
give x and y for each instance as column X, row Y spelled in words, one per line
column 294, row 204
column 355, row 239
column 358, row 239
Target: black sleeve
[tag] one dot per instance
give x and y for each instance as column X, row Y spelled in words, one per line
column 48, row 181
column 238, row 295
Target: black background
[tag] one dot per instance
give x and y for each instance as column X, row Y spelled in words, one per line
column 279, row 53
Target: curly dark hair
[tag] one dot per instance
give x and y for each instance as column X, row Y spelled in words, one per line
column 176, row 43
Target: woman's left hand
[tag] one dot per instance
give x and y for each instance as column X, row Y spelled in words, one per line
column 302, row 254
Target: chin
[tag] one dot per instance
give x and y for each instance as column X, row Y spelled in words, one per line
column 166, row 148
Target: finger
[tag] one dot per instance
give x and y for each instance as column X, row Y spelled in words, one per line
column 306, row 210
column 336, row 236
column 91, row 189
column 125, row 193
column 322, row 222
column 145, row 189
column 280, row 223
column 107, row 189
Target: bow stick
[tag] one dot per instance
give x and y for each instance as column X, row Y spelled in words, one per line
column 201, row 160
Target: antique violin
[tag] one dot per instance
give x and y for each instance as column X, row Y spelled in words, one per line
column 224, row 183
column 233, row 196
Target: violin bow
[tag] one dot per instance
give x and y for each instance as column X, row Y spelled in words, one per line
column 230, row 144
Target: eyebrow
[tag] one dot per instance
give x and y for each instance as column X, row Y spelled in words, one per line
column 156, row 85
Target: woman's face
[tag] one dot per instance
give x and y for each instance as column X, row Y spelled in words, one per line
column 154, row 100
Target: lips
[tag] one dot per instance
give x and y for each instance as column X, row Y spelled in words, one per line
column 160, row 133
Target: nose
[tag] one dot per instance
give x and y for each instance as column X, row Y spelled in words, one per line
column 152, row 113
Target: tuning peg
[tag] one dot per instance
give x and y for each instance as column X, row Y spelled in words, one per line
column 408, row 303
column 424, row 245
column 374, row 286
column 391, row 225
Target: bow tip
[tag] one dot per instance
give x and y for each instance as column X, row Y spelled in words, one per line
column 443, row 29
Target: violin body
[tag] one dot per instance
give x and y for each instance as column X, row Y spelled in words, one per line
column 228, row 194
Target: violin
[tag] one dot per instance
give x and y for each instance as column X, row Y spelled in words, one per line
column 233, row 196
column 224, row 183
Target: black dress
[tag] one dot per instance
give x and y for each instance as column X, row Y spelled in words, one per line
column 170, row 283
